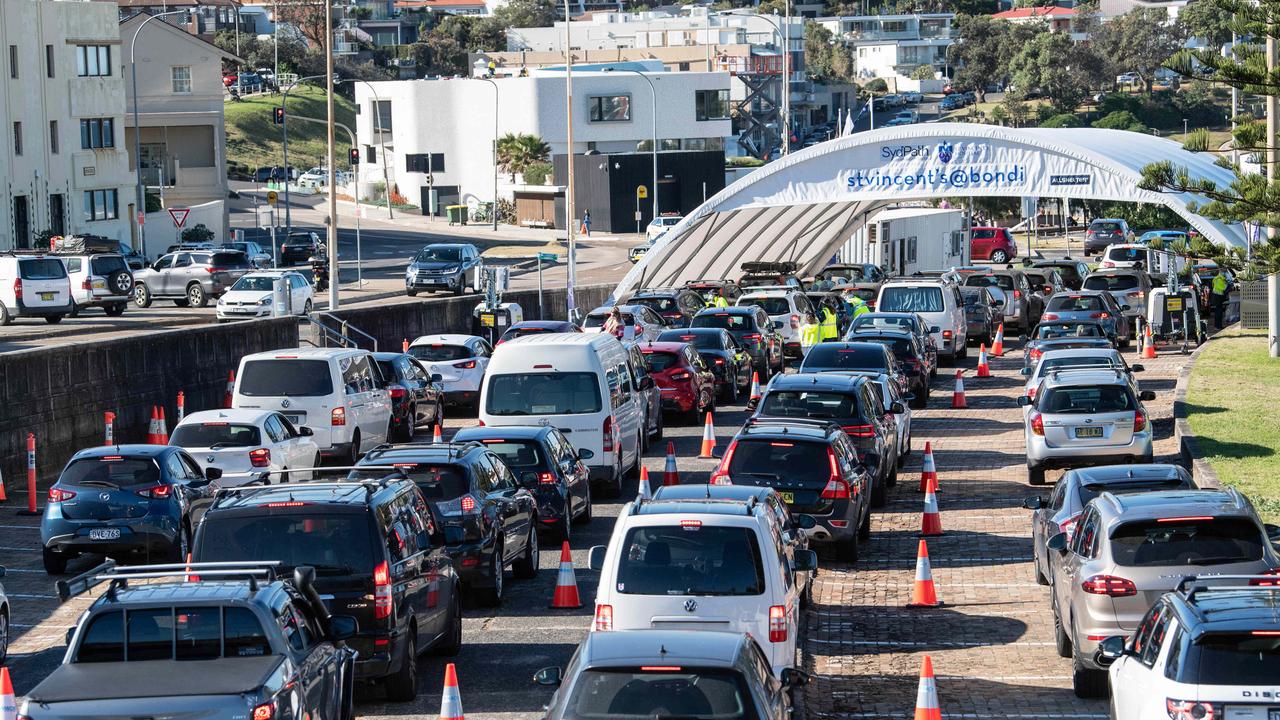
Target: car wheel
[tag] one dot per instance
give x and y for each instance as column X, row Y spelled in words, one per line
column 5, row 317
column 402, row 685
column 644, row 433
column 4, row 635
column 353, row 454
column 459, row 288
column 864, row 530
column 878, row 492
column 141, row 295
column 308, row 307
column 196, row 296
column 561, row 531
column 120, row 282
column 661, row 430
column 404, row 433
column 526, row 568
column 1087, row 682
column 1035, row 569
column 893, row 474
column 55, row 563
column 1061, row 640
column 847, row 551
column 908, row 452
column 178, row 553
column 315, row 463
column 586, row 515
column 75, row 311
column 1035, row 474
column 492, row 596
column 999, row 257
column 116, row 309
column 452, row 643
column 921, row 400
column 729, row 393
column 411, row 292
column 53, row 319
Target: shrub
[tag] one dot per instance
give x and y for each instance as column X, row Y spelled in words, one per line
column 1122, row 120
column 537, row 173
column 1197, row 141
column 876, row 85
column 1062, row 120
column 197, row 234
column 924, row 72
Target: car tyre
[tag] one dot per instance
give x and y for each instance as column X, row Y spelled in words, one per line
column 196, row 296
column 587, row 513
column 864, row 530
column 451, row 645
column 308, row 307
column 353, row 454
column 411, row 292
column 1035, row 570
column 999, row 257
column 4, row 636
column 730, row 393
column 53, row 319
column 1035, row 474
column 893, row 474
column 526, row 568
column 492, row 596
column 5, row 317
column 660, row 430
column 1061, row 641
column 402, row 685
column 75, row 311
column 404, row 433
column 847, row 551
column 878, row 492
column 116, row 309
column 141, row 295
column 1087, row 682
column 55, row 563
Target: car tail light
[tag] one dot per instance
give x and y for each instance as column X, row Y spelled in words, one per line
column 260, row 457
column 397, row 392
column 265, row 711
column 1274, row 572
column 1109, row 585
column 338, row 417
column 837, row 488
column 1068, row 526
column 1035, row 353
column 468, row 504
column 86, row 285
column 1049, row 316
column 795, row 322
column 157, row 492
column 719, row 361
column 753, row 337
column 286, row 503
column 382, row 591
column 17, row 288
column 546, row 478
column 1190, row 710
column 604, row 617
column 466, row 365
column 1137, row 294
column 1106, row 264
column 947, row 334
column 1139, row 421
column 1037, row 424
column 777, row 623
column 606, row 434
column 57, row 494
column 721, row 474
column 862, row 431
column 682, row 375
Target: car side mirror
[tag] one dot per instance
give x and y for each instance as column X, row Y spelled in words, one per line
column 792, row 677
column 1022, row 338
column 935, row 328
column 804, row 561
column 1109, row 650
column 212, row 473
column 595, row 557
column 549, row 676
column 1125, row 307
column 1057, row 542
column 343, row 627
column 585, row 454
column 776, row 324
column 897, row 408
column 1147, row 395
column 1025, row 372
column 305, row 431
column 1137, row 367
column 1035, row 502
column 646, row 383
column 804, row 522
column 1023, row 401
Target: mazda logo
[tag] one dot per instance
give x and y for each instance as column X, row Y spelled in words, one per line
column 104, row 497
column 209, row 458
column 690, row 605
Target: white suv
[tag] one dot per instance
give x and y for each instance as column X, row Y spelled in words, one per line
column 702, row 564
column 786, row 307
column 99, row 281
column 34, row 286
column 939, row 302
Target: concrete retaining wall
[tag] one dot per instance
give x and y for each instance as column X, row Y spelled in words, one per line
column 60, row 393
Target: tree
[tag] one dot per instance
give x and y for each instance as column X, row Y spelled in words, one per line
column 516, row 153
column 1139, row 41
column 197, row 234
column 526, row 13
column 1052, row 63
column 1015, row 108
column 924, row 72
column 473, row 33
column 1121, row 120
column 307, row 16
column 1062, row 120
column 982, row 56
column 817, row 50
column 1205, row 21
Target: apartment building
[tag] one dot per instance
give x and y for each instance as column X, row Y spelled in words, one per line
column 888, row 46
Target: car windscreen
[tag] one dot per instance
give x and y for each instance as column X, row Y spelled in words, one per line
column 216, row 435
column 229, row 260
column 864, row 356
column 1036, row 278
column 288, row 377
column 41, row 269
column 1051, row 364
column 518, row 454
column 669, row 691
column 596, row 320
column 1126, row 254
column 1099, row 281
column 973, row 297
column 173, row 633
column 771, row 305
column 514, row 333
column 1087, row 491
column 910, row 299
column 294, row 533
column 700, row 341
column 1075, row 303
column 881, row 321
column 855, row 273
column 303, row 240
column 1004, row 282
column 439, row 352
column 1087, row 400
column 1182, row 542
column 778, row 459
column 659, row 304
column 1052, row 331
column 439, row 254
column 111, row 471
column 659, row 361
column 545, row 393
column 725, row 321
column 107, row 264
column 256, row 283
column 691, row 558
column 900, row 347
column 810, row 404
column 1240, row 659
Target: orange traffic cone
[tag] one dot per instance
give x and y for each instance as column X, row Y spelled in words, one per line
column 923, row 594
column 1149, row 346
column 566, row 596
column 404, row 345
column 231, row 388
column 3, row 496
column 957, row 398
column 8, row 703
column 670, row 475
column 435, row 435
column 931, row 522
column 645, row 493
column 928, row 471
column 927, row 694
column 708, row 439
column 755, row 389
column 162, row 429
column 451, row 701
column 984, row 370
column 997, row 347
column 153, row 427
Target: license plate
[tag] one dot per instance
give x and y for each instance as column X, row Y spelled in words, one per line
column 46, row 296
column 788, row 498
column 1088, row 432
column 99, row 284
column 294, row 418
column 104, row 534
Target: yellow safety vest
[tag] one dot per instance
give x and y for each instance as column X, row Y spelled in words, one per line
column 719, row 301
column 829, row 330
column 1220, row 285
column 808, row 335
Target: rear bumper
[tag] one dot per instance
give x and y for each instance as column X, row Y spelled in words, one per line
column 461, row 397
column 25, row 310
column 836, row 526
column 380, row 654
column 132, row 539
column 602, row 473
column 471, row 562
column 1137, row 451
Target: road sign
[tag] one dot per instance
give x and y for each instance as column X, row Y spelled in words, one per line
column 547, row 257
column 642, row 192
column 272, row 197
column 179, row 216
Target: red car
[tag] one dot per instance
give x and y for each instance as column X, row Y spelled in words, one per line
column 685, row 381
column 995, row 244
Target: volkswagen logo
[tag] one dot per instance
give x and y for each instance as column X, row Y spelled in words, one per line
column 285, row 403
column 690, row 605
column 104, row 497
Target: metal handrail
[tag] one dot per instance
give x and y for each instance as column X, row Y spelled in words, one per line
column 341, row 334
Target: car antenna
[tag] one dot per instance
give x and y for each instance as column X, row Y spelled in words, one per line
column 663, row 651
column 708, row 491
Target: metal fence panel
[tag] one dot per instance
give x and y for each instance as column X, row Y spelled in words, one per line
column 1253, row 304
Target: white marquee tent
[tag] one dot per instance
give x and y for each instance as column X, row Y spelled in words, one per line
column 803, row 207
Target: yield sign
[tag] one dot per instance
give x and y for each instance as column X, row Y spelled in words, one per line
column 179, row 216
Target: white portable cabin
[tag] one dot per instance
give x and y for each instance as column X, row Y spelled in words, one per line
column 905, row 240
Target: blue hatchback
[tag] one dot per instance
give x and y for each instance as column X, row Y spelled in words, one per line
column 125, row 501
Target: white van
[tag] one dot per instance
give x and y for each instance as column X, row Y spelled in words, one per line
column 939, row 302
column 337, row 392
column 34, row 286
column 702, row 565
column 579, row 383
column 1137, row 255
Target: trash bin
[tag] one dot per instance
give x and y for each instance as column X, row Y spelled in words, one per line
column 457, row 214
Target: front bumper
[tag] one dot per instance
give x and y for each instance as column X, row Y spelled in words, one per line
column 242, row 312
column 432, row 282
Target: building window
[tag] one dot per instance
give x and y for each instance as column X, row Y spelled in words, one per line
column 610, row 108
column 644, row 146
column 57, row 214
column 695, row 144
column 683, row 67
column 13, row 61
column 181, row 76
column 711, row 104
column 715, row 143
column 48, row 60
column 17, row 138
column 99, row 205
column 97, row 133
column 422, row 162
column 53, row 137
column 382, row 121
column 93, row 60
column 669, row 144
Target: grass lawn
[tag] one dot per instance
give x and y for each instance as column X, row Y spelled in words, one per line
column 1235, row 417
column 254, row 140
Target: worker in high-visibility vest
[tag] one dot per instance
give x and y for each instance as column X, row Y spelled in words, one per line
column 1218, row 297
column 828, row 329
column 859, row 306
column 809, row 332
column 718, row 300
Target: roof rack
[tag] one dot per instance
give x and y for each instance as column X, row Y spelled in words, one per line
column 263, row 482
column 784, row 421
column 1080, row 370
column 1190, row 585
column 452, row 448
column 119, row 577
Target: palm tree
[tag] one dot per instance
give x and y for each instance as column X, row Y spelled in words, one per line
column 518, row 152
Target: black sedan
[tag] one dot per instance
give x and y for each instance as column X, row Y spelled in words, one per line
column 730, row 363
column 415, row 394
column 546, row 464
column 913, row 322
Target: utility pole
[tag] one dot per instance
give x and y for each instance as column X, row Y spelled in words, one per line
column 570, row 214
column 332, row 160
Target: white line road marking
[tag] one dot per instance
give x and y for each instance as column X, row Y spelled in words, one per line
column 948, row 560
column 957, row 644
column 31, row 596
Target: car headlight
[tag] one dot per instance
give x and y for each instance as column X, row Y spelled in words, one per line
column 265, row 301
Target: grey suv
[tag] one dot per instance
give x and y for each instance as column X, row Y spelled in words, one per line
column 189, row 277
column 1128, row 550
column 441, row 266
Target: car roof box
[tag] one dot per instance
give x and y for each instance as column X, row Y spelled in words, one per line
column 84, row 244
column 759, row 267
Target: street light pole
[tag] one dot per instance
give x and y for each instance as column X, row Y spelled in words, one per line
column 653, row 98
column 332, row 161
column 284, row 134
column 141, row 207
column 571, row 268
column 494, row 149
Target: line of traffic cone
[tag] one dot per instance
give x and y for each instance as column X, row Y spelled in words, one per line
column 404, row 345
column 931, row 521
column 670, row 474
column 3, row 496
column 928, row 471
column 708, row 439
column 927, row 707
column 1149, row 346
column 451, row 699
column 984, row 369
column 923, row 592
column 566, row 594
column 958, row 401
column 231, row 388
column 157, row 433
column 997, row 347
column 645, row 492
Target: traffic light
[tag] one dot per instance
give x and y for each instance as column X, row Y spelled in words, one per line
column 355, row 156
column 278, row 115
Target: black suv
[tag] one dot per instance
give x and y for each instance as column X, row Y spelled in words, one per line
column 847, row 356
column 677, row 306
column 490, row 520
column 851, row 401
column 299, row 247
column 908, row 353
column 752, row 328
column 814, row 467
column 379, row 555
column 1072, row 272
